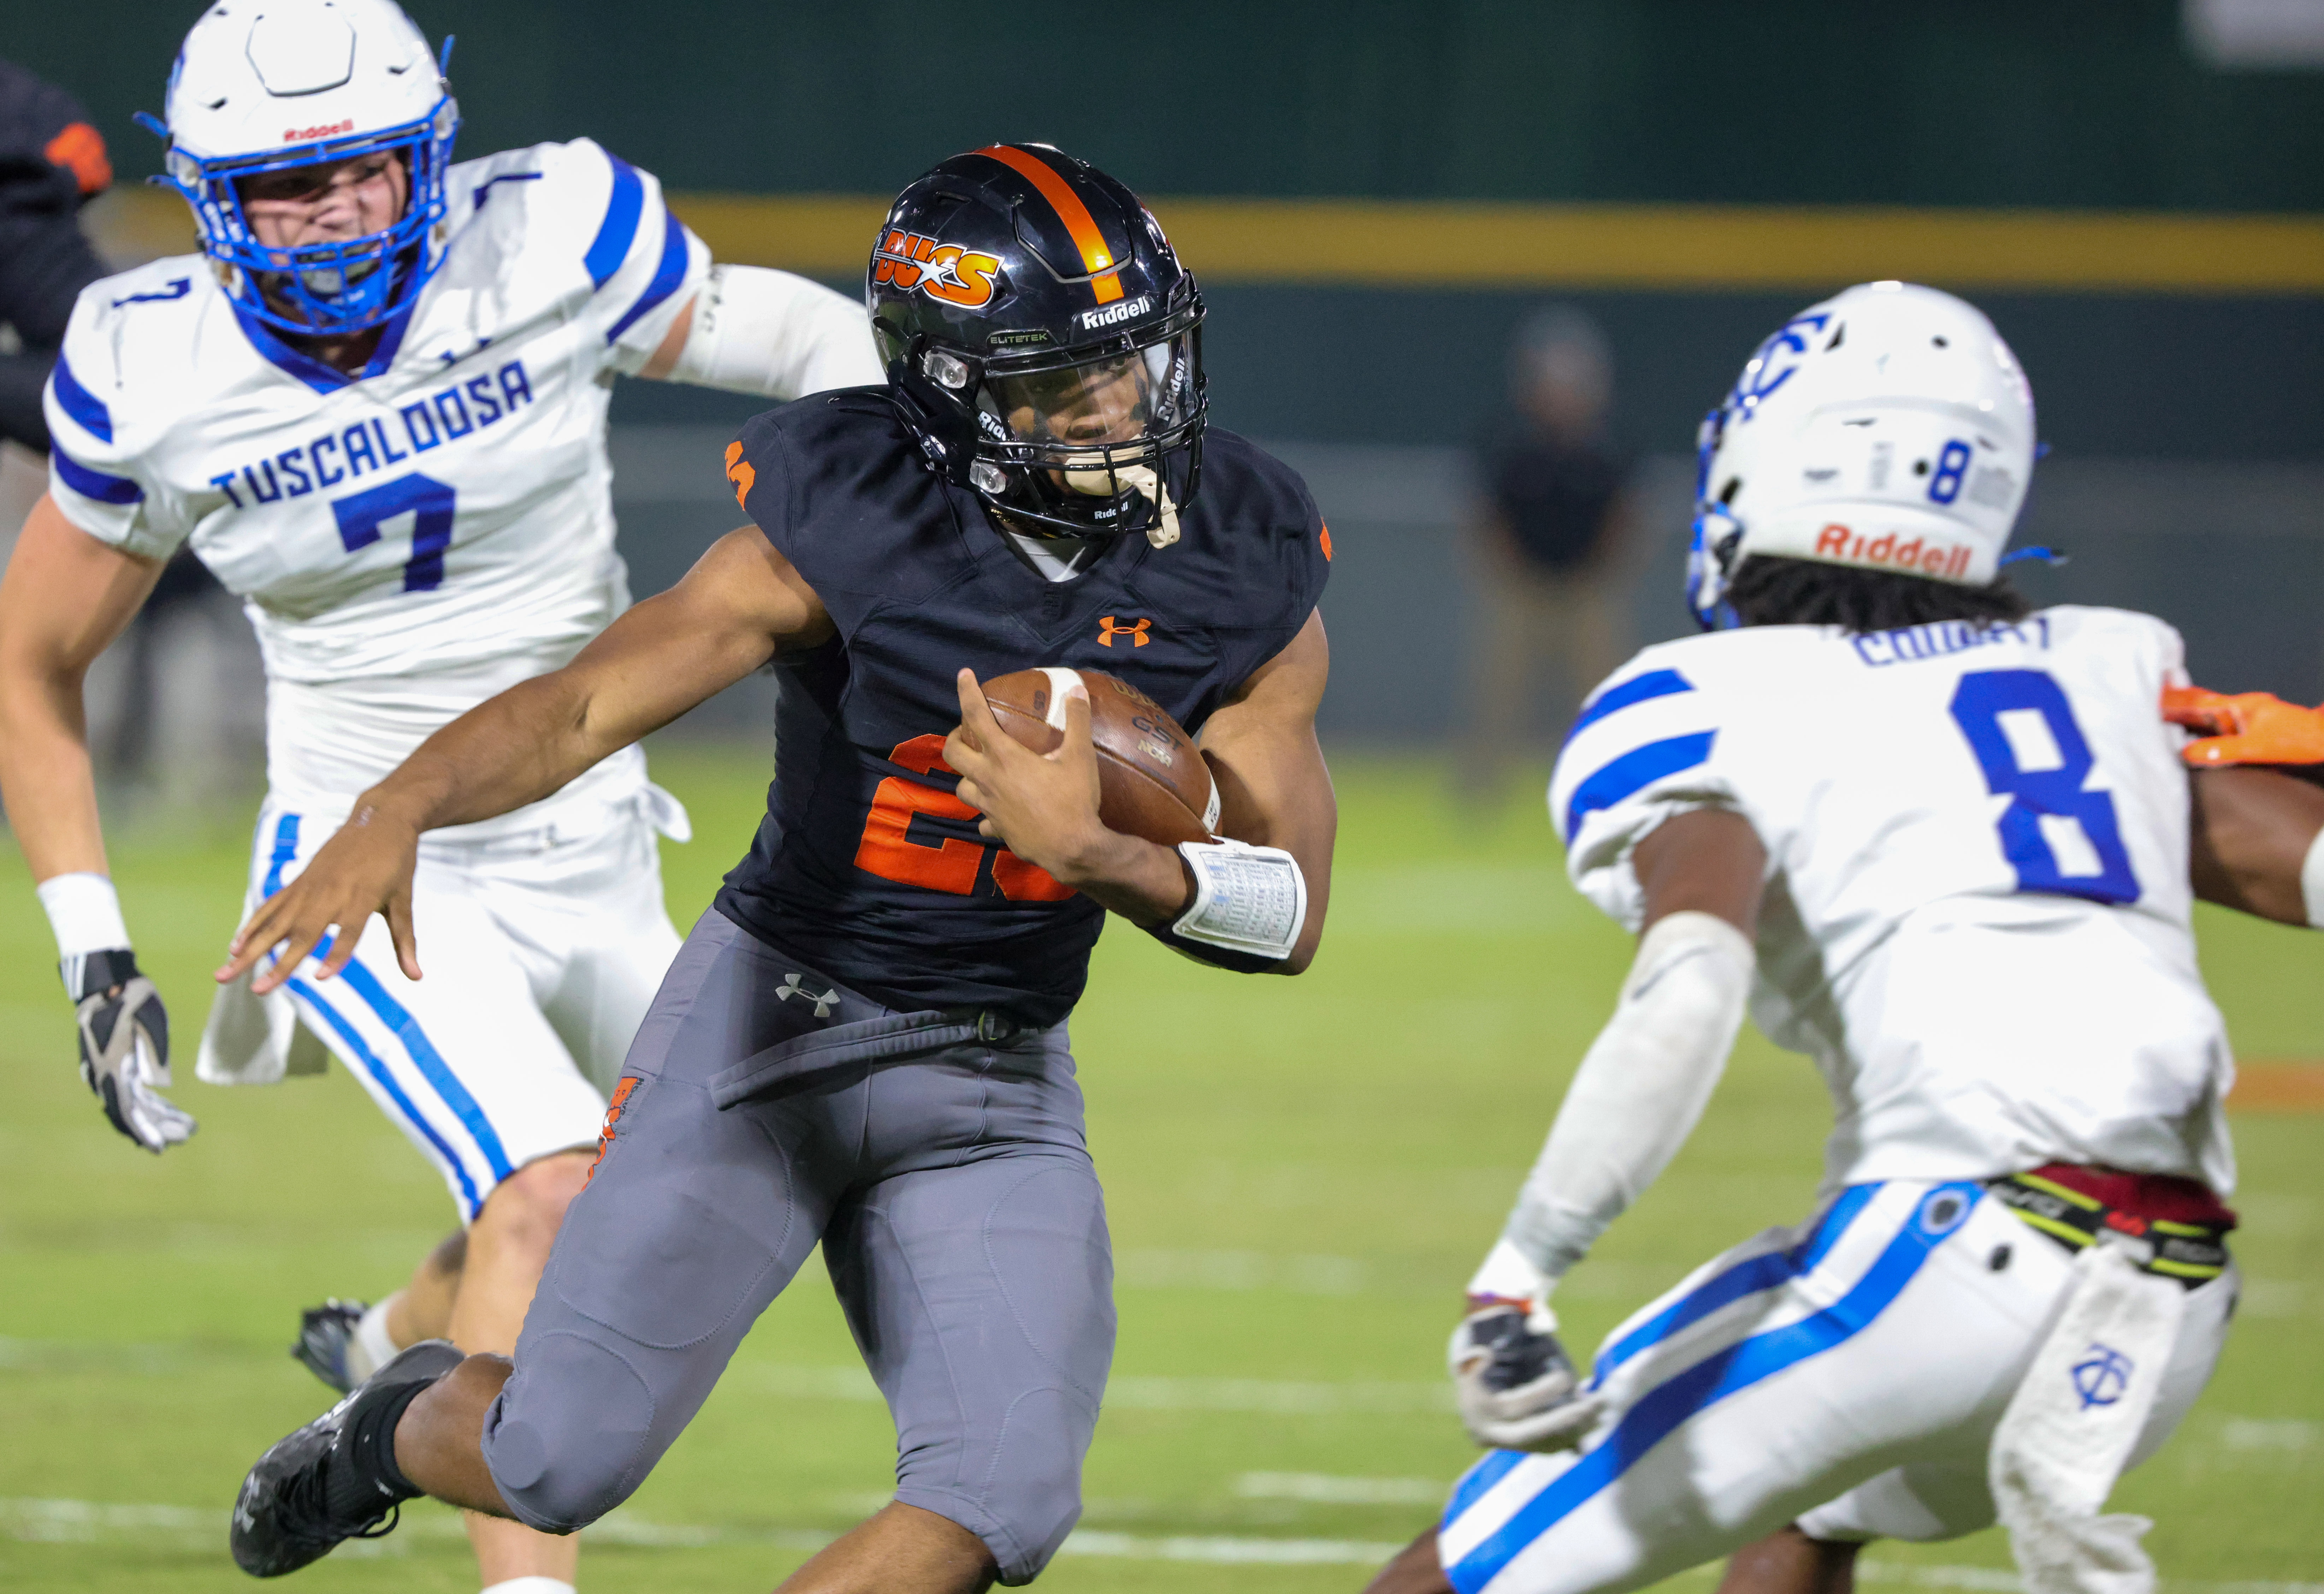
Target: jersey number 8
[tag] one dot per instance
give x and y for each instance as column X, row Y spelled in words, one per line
column 2049, row 796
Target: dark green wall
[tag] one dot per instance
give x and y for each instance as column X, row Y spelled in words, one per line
column 2188, row 378
column 1945, row 102
column 1938, row 102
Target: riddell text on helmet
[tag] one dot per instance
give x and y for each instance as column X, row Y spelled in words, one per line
column 1843, row 545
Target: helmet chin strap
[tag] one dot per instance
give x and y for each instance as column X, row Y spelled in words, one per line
column 1140, row 479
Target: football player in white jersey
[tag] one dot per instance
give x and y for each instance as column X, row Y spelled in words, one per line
column 1947, row 848
column 375, row 406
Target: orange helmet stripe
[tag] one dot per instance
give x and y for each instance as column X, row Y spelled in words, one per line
column 1079, row 223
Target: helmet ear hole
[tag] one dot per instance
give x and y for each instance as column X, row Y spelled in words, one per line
column 1727, row 493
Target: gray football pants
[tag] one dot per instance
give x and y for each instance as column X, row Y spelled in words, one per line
column 949, row 1178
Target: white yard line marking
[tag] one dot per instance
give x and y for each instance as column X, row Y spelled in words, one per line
column 82, row 1522
column 1228, row 1552
column 1134, row 1392
column 1324, row 1488
column 1241, row 1270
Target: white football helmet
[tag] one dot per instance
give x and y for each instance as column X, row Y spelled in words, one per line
column 1888, row 428
column 261, row 85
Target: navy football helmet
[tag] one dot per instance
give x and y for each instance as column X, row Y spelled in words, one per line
column 1043, row 342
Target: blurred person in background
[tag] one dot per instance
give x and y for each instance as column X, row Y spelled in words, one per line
column 376, row 405
column 1550, row 539
column 51, row 163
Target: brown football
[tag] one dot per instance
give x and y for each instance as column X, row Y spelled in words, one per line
column 1151, row 781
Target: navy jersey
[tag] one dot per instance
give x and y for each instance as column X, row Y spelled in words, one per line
column 868, row 867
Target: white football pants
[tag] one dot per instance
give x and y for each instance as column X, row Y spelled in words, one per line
column 1847, row 1374
column 541, row 952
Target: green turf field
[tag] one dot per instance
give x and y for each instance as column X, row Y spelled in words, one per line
column 1300, row 1175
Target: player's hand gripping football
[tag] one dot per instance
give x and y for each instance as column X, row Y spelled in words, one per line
column 2244, row 728
column 365, row 868
column 1042, row 807
column 124, row 1051
column 1517, row 1388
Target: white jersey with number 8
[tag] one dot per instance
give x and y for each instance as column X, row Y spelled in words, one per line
column 1977, row 912
column 413, row 540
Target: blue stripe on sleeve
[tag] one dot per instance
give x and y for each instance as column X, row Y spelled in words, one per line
column 91, row 484
column 1638, row 689
column 87, row 410
column 430, row 1062
column 379, row 1071
column 619, row 230
column 1639, row 767
column 667, row 276
column 1750, row 1361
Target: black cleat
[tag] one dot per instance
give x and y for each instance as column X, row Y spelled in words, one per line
column 307, row 1495
column 326, row 1333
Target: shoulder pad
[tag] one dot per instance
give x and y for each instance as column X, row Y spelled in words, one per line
column 838, row 484
column 1255, row 534
column 129, row 336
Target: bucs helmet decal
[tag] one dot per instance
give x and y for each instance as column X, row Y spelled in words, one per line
column 941, row 271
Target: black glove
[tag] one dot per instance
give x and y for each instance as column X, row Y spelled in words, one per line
column 1516, row 1388
column 125, row 1047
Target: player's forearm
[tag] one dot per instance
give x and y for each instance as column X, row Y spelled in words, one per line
column 754, row 330
column 2255, row 839
column 525, row 744
column 1640, row 1089
column 1146, row 884
column 45, row 778
column 64, row 599
column 1275, row 791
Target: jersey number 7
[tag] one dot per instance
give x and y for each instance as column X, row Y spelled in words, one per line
column 425, row 500
column 2007, row 715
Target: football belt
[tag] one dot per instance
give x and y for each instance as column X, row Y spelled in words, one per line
column 2194, row 1254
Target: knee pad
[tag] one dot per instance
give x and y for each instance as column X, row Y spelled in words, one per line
column 569, row 1437
column 1027, row 1496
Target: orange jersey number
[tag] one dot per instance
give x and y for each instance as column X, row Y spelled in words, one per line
column 951, row 864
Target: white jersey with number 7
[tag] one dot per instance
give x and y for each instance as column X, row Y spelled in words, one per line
column 409, row 540
column 1977, row 912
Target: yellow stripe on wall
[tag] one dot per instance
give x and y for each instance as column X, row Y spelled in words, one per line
column 1669, row 248
column 1689, row 248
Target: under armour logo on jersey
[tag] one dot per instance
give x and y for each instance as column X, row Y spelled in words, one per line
column 792, row 988
column 2102, row 1377
column 1110, row 627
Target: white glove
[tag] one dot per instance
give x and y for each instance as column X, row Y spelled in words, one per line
column 124, row 1047
column 1517, row 1389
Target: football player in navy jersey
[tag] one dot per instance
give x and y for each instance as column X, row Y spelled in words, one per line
column 864, row 1043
